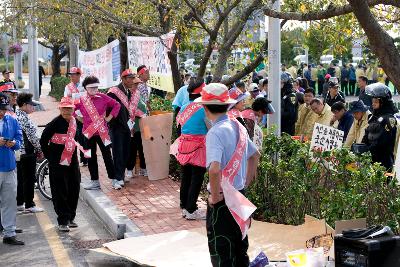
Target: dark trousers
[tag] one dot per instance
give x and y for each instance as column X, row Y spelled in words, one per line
column 312, row 84
column 357, row 91
column 135, row 147
column 82, row 140
column 26, row 169
column 191, row 182
column 352, row 87
column 225, row 238
column 344, row 86
column 64, row 184
column 92, row 161
column 120, row 139
column 320, row 87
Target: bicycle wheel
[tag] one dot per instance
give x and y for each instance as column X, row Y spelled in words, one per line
column 44, row 180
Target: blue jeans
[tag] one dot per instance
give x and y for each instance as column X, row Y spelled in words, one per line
column 8, row 202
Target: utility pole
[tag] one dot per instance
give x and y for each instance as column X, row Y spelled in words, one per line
column 73, row 50
column 274, row 70
column 33, row 64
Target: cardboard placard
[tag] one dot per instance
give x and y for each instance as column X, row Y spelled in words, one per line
column 325, row 138
column 156, row 139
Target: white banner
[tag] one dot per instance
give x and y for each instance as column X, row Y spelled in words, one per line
column 152, row 52
column 325, row 138
column 104, row 63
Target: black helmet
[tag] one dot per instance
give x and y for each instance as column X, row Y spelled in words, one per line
column 378, row 90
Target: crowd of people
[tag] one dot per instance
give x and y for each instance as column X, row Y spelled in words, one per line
column 219, row 130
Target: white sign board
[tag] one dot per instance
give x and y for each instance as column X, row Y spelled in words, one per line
column 397, row 164
column 104, row 63
column 152, row 52
column 325, row 138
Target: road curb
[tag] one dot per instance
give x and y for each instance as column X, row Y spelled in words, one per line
column 117, row 222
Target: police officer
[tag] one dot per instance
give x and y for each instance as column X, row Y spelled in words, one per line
column 380, row 135
column 288, row 106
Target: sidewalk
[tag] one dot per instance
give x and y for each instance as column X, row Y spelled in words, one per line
column 152, row 205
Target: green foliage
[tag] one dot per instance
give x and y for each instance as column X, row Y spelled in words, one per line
column 334, row 185
column 161, row 104
column 57, row 86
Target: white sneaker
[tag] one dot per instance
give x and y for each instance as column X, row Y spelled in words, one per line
column 121, row 183
column 143, row 172
column 21, row 208
column 184, row 212
column 115, row 184
column 34, row 209
column 92, row 185
column 196, row 215
column 63, row 228
column 129, row 174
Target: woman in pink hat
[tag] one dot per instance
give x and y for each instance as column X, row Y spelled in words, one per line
column 59, row 142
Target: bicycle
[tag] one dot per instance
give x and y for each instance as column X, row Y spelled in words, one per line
column 42, row 176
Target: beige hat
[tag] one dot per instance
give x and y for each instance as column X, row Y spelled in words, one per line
column 215, row 94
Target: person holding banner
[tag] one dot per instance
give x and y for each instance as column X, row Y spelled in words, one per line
column 192, row 152
column 59, row 141
column 138, row 110
column 75, row 90
column 145, row 90
column 96, row 110
column 121, row 126
column 232, row 161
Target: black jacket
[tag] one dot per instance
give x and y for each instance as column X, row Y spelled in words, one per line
column 51, row 151
column 338, row 98
column 380, row 136
column 288, row 112
column 121, row 121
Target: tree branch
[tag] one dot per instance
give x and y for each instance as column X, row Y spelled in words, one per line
column 197, row 17
column 332, row 11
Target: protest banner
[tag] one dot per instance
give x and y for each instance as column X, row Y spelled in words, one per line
column 104, row 63
column 325, row 138
column 152, row 52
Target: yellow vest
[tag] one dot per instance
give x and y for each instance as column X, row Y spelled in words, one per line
column 357, row 131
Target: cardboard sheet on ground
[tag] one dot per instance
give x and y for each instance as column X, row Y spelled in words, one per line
column 190, row 248
column 156, row 139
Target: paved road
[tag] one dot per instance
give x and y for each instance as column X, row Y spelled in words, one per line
column 45, row 246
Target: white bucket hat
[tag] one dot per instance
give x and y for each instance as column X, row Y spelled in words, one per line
column 215, row 94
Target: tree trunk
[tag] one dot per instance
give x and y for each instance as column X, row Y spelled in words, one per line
column 173, row 59
column 56, row 61
column 89, row 40
column 381, row 43
column 220, row 69
column 123, row 51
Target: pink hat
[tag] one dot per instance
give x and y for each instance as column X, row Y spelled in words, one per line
column 215, row 94
column 75, row 70
column 127, row 72
column 66, row 102
column 328, row 76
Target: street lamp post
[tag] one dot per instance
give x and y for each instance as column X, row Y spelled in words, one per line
column 274, row 70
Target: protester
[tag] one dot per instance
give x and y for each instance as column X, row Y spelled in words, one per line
column 12, row 94
column 334, row 95
column 192, row 152
column 367, row 99
column 145, row 90
column 75, row 90
column 352, row 80
column 242, row 87
column 264, row 87
column 254, row 93
column 323, row 111
column 343, row 117
column 288, row 108
column 10, row 141
column 380, row 135
column 59, row 141
column 325, row 86
column 6, row 78
column 92, row 110
column 235, row 110
column 262, row 106
column 306, row 118
column 30, row 152
column 227, row 143
column 344, row 80
column 360, row 123
column 41, row 74
column 121, row 125
column 360, row 71
column 138, row 110
column 321, row 78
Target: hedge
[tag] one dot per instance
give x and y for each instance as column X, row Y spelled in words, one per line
column 292, row 182
column 57, row 86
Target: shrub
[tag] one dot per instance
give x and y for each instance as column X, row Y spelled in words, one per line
column 57, row 86
column 333, row 185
